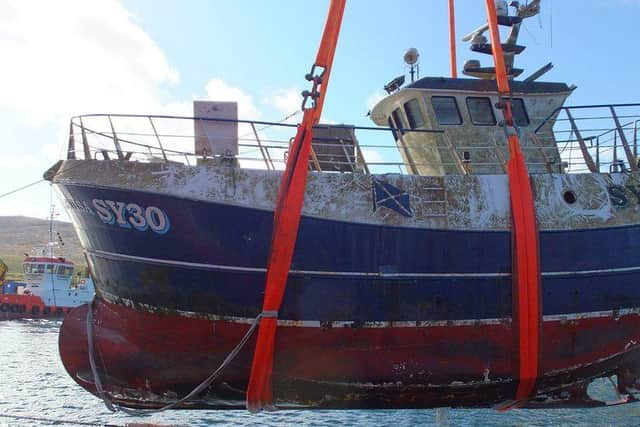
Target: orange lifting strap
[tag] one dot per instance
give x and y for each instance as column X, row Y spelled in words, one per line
column 526, row 306
column 287, row 214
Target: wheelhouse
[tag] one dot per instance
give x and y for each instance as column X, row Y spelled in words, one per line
column 474, row 138
column 44, row 265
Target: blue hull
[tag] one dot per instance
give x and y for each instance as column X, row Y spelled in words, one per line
column 211, row 260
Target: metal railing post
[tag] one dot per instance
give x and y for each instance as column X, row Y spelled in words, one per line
column 164, row 155
column 623, row 139
column 264, row 155
column 71, row 148
column 583, row 147
column 85, row 143
column 635, row 139
column 115, row 140
column 598, row 152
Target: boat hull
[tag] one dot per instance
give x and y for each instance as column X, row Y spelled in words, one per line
column 381, row 309
column 14, row 307
column 150, row 359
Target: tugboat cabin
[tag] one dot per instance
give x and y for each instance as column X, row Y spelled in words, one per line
column 36, row 266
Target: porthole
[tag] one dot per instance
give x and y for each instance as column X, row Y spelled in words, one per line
column 569, row 197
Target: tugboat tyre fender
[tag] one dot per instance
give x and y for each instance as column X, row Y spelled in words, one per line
column 46, row 310
column 18, row 308
column 35, row 310
column 5, row 307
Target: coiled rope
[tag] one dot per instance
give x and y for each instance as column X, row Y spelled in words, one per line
column 195, row 392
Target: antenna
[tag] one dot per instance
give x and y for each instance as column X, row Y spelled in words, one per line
column 411, row 57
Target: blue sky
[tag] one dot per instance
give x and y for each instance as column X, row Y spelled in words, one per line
column 76, row 56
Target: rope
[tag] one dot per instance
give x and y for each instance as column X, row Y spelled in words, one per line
column 54, row 420
column 196, row 391
column 24, row 187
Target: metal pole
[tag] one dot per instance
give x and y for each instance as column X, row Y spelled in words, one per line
column 85, row 143
column 164, row 155
column 264, row 156
column 635, row 139
column 583, row 146
column 71, row 149
column 115, row 140
column 452, row 39
column 623, row 139
column 598, row 153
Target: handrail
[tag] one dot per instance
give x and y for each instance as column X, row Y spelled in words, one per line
column 258, row 122
column 580, row 107
column 168, row 138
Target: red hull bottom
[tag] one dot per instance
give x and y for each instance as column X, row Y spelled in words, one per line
column 14, row 307
column 147, row 360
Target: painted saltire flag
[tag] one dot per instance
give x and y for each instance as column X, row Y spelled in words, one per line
column 385, row 194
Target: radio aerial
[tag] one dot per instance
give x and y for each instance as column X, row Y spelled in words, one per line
column 411, row 57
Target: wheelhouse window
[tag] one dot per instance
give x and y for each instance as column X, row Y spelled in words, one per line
column 446, row 110
column 520, row 115
column 393, row 128
column 414, row 114
column 40, row 269
column 50, row 268
column 481, row 111
column 397, row 118
column 64, row 270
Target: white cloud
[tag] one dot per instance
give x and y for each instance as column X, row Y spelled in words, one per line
column 69, row 57
column 286, row 101
column 374, row 98
column 217, row 90
column 74, row 56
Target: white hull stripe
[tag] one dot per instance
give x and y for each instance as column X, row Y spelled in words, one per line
column 614, row 314
column 157, row 261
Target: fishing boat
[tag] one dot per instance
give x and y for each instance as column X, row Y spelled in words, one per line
column 50, row 288
column 493, row 263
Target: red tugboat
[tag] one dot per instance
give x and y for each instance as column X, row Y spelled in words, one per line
column 498, row 268
column 50, row 288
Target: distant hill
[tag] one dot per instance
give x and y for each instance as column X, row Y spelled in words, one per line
column 21, row 234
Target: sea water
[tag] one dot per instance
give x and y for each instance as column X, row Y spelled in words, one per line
column 36, row 390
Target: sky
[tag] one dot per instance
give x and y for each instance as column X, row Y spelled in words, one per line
column 67, row 57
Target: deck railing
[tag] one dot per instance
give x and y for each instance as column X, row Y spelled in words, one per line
column 260, row 144
column 595, row 138
column 600, row 138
